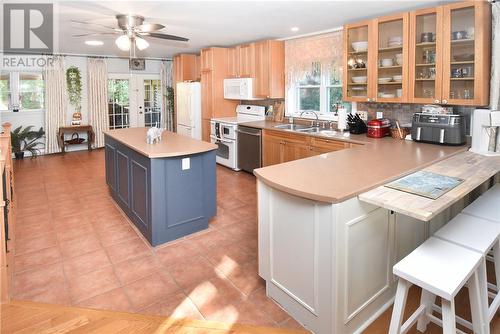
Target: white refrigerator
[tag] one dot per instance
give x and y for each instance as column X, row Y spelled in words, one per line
column 188, row 109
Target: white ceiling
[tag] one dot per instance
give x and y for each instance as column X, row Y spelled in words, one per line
column 214, row 23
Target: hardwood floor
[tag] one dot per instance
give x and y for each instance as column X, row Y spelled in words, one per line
column 75, row 248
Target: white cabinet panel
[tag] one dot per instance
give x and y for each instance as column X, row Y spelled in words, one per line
column 409, row 233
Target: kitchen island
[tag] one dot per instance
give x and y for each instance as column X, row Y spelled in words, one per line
column 167, row 189
column 326, row 254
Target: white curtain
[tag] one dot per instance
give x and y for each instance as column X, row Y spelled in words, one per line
column 55, row 101
column 167, row 109
column 495, row 58
column 98, row 98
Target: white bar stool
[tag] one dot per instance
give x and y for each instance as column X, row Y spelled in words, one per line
column 479, row 235
column 493, row 191
column 441, row 269
column 486, row 206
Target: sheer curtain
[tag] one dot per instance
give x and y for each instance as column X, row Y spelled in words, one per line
column 167, row 109
column 55, row 102
column 495, row 57
column 98, row 98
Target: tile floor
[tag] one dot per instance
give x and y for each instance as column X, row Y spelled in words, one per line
column 74, row 247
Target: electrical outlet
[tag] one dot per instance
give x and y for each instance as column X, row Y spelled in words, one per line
column 380, row 114
column 363, row 115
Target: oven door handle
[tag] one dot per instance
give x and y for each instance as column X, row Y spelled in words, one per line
column 221, row 140
column 248, row 133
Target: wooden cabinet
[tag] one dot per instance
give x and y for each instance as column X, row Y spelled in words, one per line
column 213, row 73
column 197, row 72
column 269, row 69
column 246, row 61
column 437, row 55
column 279, row 147
column 233, row 62
column 184, row 67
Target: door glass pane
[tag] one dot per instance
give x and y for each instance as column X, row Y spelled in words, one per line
column 152, row 102
column 4, row 91
column 118, row 103
column 31, row 91
column 462, row 54
column 357, row 77
column 425, row 56
column 390, row 57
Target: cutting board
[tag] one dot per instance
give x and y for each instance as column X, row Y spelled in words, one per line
column 425, row 184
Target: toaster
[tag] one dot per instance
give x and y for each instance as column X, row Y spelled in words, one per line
column 378, row 128
column 446, row 129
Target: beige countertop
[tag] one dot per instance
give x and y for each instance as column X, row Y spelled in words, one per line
column 171, row 145
column 473, row 168
column 337, row 176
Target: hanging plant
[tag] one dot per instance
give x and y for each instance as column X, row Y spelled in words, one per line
column 74, row 85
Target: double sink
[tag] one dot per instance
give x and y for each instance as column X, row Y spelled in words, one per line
column 310, row 130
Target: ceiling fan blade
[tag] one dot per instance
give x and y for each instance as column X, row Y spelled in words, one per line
column 93, row 24
column 95, row 34
column 149, row 27
column 170, row 37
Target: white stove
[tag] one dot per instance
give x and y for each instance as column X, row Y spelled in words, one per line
column 223, row 133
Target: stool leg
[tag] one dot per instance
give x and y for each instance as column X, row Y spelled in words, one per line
column 448, row 309
column 478, row 305
column 399, row 306
column 496, row 258
column 428, row 299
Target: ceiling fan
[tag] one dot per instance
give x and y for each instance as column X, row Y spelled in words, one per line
column 133, row 32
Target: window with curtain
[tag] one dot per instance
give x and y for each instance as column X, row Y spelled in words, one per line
column 313, row 67
column 24, row 90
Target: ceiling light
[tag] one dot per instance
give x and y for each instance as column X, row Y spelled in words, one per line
column 294, row 29
column 141, row 43
column 123, row 43
column 94, row 43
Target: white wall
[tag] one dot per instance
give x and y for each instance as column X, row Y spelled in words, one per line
column 37, row 119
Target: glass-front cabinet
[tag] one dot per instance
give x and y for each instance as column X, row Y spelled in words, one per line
column 426, row 55
column 391, row 64
column 466, row 53
column 359, row 61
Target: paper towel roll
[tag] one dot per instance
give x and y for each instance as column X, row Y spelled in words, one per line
column 342, row 122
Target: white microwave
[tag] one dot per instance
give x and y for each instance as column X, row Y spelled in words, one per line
column 239, row 89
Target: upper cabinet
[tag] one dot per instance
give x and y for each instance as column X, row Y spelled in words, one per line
column 246, row 61
column 185, row 67
column 269, row 69
column 436, row 55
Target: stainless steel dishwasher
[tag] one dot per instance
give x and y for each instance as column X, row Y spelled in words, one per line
column 249, row 148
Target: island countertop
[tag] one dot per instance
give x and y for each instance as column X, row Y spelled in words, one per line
column 171, row 145
column 337, row 176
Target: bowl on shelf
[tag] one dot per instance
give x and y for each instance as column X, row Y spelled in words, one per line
column 399, row 92
column 461, row 34
column 395, row 41
column 387, row 95
column 384, row 80
column 397, row 78
column 359, row 80
column 360, row 46
column 386, row 62
column 427, row 37
column 399, row 58
column 358, row 88
column 464, row 57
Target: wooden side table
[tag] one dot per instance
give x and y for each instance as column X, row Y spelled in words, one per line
column 72, row 129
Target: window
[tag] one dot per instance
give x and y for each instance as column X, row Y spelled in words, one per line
column 152, row 102
column 319, row 91
column 22, row 91
column 118, row 103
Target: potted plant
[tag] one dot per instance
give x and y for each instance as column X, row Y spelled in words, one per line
column 26, row 140
column 74, row 86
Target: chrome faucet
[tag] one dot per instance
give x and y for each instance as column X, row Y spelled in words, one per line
column 314, row 113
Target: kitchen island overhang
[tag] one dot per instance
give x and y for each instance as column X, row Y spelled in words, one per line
column 167, row 189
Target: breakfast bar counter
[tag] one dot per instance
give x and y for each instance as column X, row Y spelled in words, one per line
column 167, row 189
column 329, row 233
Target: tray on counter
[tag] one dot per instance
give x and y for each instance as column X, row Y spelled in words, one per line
column 425, row 184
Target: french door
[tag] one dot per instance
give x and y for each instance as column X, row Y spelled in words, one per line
column 134, row 100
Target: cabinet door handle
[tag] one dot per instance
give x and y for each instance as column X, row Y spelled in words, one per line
column 436, row 101
column 445, row 101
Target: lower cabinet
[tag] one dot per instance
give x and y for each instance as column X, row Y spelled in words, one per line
column 279, row 147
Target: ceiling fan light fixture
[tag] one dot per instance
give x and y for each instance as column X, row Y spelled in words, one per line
column 141, row 43
column 123, row 43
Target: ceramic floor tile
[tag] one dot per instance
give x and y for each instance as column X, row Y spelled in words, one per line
column 192, row 271
column 35, row 243
column 38, row 279
column 260, row 299
column 43, row 217
column 37, row 259
column 72, row 221
column 68, row 234
column 53, row 292
column 149, row 290
column 114, row 300
column 229, row 257
column 176, row 305
column 127, row 250
column 92, row 284
column 244, row 313
column 177, row 252
column 116, row 234
column 85, row 263
column 213, row 239
column 137, row 268
column 80, row 246
column 246, row 278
